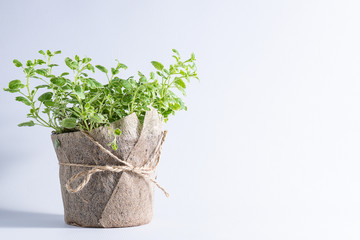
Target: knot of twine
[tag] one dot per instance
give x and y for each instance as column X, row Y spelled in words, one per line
column 143, row 171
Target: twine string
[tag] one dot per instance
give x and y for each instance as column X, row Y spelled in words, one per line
column 143, row 171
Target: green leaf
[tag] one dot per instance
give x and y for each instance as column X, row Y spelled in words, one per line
column 42, row 86
column 175, row 106
column 70, row 63
column 125, row 83
column 39, row 61
column 114, row 146
column 101, row 68
column 59, row 81
column 121, row 65
column 152, row 75
column 29, row 71
column 27, row 124
column 49, row 103
column 86, row 60
column 93, row 83
column 42, row 52
column 143, row 79
column 45, row 96
column 64, row 74
column 176, row 52
column 29, row 63
column 66, row 87
column 42, row 71
column 114, row 71
column 127, row 99
column 180, row 82
column 57, row 144
column 17, row 63
column 57, row 52
column 79, row 91
column 23, row 99
column 120, row 115
column 117, row 132
column 11, row 90
column 193, row 56
column 98, row 118
column 90, row 67
column 15, row 85
column 157, row 65
column 68, row 123
column 182, row 90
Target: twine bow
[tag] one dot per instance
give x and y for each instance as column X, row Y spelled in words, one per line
column 143, row 171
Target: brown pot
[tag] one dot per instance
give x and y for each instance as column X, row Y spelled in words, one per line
column 120, row 198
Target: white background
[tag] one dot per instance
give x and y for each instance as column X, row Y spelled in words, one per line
column 269, row 148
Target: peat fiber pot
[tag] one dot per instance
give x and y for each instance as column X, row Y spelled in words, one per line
column 105, row 188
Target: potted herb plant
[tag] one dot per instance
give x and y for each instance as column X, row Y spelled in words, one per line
column 107, row 136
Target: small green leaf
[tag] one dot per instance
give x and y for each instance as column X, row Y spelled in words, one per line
column 176, row 52
column 45, row 96
column 64, row 74
column 27, row 124
column 90, row 67
column 117, row 132
column 93, row 83
column 114, row 146
column 66, row 87
column 15, row 85
column 101, row 68
column 180, row 82
column 42, row 71
column 140, row 74
column 114, row 71
column 57, row 52
column 157, row 65
column 175, row 106
column 193, row 56
column 121, row 65
column 98, row 118
column 181, row 89
column 70, row 63
column 59, row 81
column 125, row 84
column 17, row 63
column 86, row 60
column 69, row 123
column 42, row 52
column 39, row 61
column 42, row 86
column 143, row 79
column 57, row 144
column 23, row 99
column 11, row 90
column 79, row 91
column 49, row 103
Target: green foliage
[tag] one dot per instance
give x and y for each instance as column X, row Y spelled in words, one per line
column 71, row 102
column 27, row 124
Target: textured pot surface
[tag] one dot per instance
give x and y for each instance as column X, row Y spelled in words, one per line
column 109, row 199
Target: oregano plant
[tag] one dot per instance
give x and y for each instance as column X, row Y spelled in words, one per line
column 76, row 101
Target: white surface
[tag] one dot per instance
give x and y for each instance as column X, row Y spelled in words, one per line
column 268, row 148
